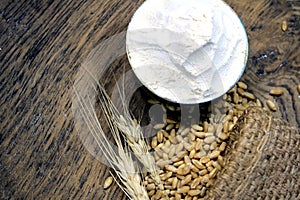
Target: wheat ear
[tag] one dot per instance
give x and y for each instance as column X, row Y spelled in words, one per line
column 133, row 134
column 131, row 130
column 121, row 162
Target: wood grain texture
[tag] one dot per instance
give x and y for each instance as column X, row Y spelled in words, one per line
column 43, row 44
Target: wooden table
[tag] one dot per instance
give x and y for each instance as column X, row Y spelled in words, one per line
column 42, row 47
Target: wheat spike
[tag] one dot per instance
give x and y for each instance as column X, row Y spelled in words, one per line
column 131, row 131
column 121, row 162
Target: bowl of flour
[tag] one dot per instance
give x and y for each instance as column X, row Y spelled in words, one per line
column 187, row 51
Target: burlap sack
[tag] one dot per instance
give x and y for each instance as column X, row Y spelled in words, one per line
column 262, row 160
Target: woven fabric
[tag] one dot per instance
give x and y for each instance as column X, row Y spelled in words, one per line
column 262, row 160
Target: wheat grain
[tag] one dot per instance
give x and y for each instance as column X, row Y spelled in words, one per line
column 271, row 105
column 108, row 181
column 276, row 91
column 284, row 26
column 183, row 189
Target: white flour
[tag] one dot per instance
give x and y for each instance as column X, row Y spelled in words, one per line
column 187, row 51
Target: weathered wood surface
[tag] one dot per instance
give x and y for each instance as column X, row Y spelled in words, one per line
column 43, row 44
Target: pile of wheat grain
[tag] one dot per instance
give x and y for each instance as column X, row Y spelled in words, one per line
column 189, row 158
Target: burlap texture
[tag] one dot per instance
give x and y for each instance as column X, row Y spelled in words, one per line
column 262, row 160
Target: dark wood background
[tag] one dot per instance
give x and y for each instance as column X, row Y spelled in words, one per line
column 43, row 44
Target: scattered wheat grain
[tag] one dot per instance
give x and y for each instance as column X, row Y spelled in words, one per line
column 108, row 182
column 271, row 105
column 284, row 26
column 276, row 91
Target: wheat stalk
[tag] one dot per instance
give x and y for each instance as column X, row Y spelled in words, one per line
column 133, row 134
column 131, row 130
column 121, row 162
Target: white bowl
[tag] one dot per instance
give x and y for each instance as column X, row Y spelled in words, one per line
column 187, row 51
